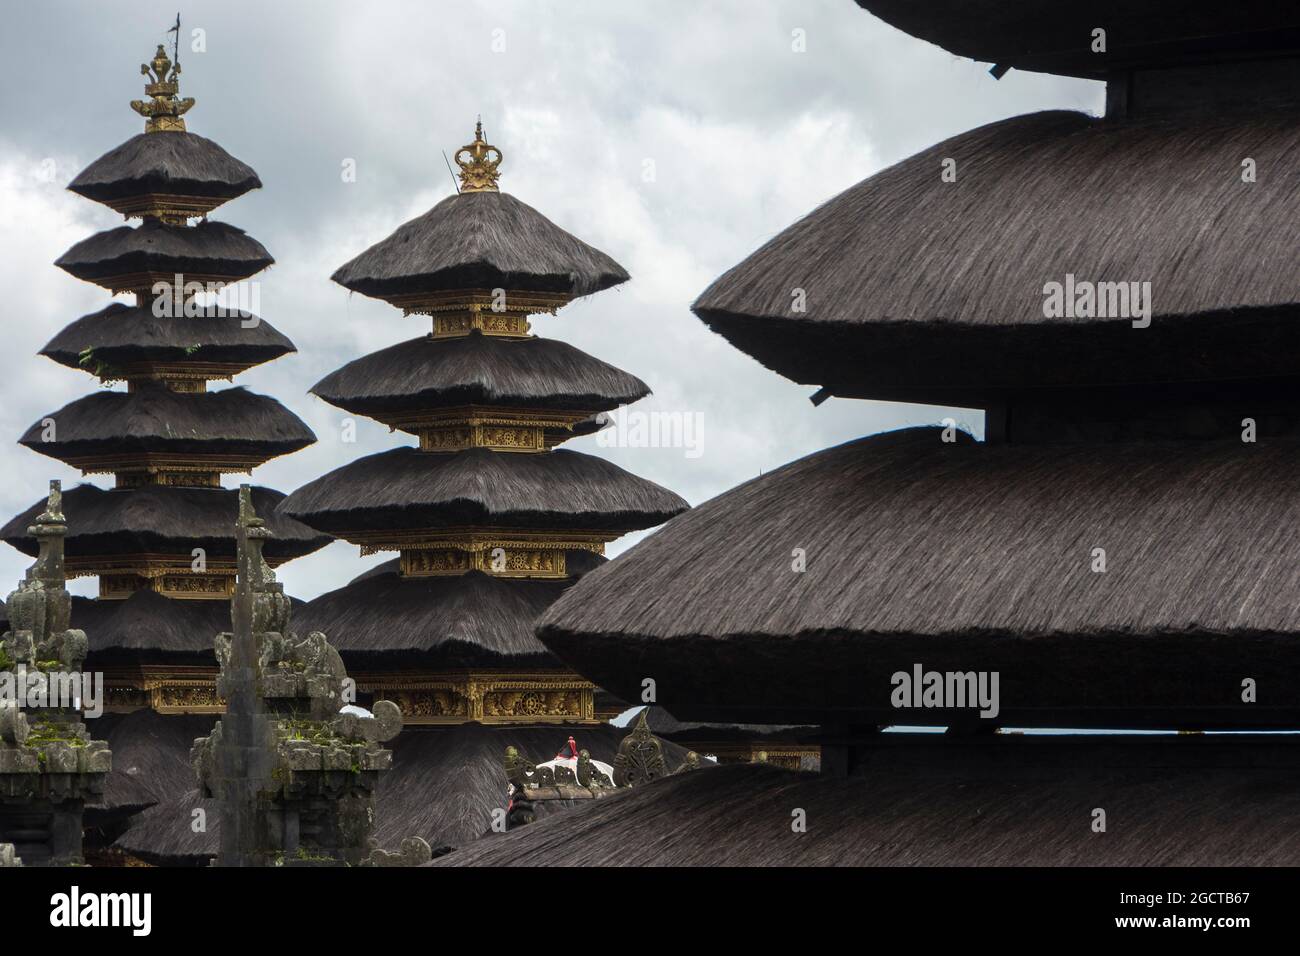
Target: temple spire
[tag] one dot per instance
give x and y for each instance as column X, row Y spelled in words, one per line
column 479, row 174
column 165, row 109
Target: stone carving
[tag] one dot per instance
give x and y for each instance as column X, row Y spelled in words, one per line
column 574, row 775
column 415, row 851
column 40, row 610
column 640, row 756
column 294, row 772
column 49, row 766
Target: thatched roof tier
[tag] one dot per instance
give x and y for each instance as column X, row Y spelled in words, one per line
column 443, row 786
column 668, row 727
column 383, row 619
column 147, row 168
column 151, row 756
column 1056, row 37
column 962, row 557
column 480, row 241
column 408, row 490
column 428, row 373
column 157, row 836
column 1184, row 801
column 133, row 258
column 919, row 286
column 120, row 338
column 159, row 519
column 148, row 627
column 446, row 782
column 227, row 425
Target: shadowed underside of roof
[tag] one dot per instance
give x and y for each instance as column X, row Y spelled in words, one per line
column 668, row 727
column 1237, row 809
column 964, row 557
column 1056, row 36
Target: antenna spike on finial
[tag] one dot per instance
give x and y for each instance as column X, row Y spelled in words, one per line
column 478, row 173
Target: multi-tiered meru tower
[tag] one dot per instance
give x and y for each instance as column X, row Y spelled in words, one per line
column 489, row 520
column 1118, row 553
column 161, row 540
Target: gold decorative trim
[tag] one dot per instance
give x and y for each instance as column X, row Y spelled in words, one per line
column 512, row 437
column 145, row 564
column 180, row 587
column 149, row 463
column 488, row 698
column 490, row 311
column 457, row 325
column 478, row 174
column 503, row 553
column 499, row 561
column 552, row 421
column 142, row 283
column 169, row 207
column 154, row 566
column 168, row 690
column 170, row 479
column 177, row 379
column 176, row 376
column 176, row 696
column 425, row 699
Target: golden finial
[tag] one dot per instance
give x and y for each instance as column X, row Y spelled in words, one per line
column 165, row 109
column 479, row 174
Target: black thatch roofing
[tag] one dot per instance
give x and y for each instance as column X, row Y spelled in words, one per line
column 1055, row 36
column 482, row 240
column 153, row 418
column 151, row 756
column 963, row 557
column 124, row 335
column 406, row 488
column 668, row 727
column 148, row 627
column 469, row 620
column 208, row 249
column 443, row 786
column 160, row 835
column 1232, row 803
column 164, row 520
column 446, row 782
column 427, row 373
column 179, row 163
column 917, row 284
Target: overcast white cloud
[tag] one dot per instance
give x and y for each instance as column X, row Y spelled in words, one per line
column 745, row 136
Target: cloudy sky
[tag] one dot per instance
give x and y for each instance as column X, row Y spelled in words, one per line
column 745, row 133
